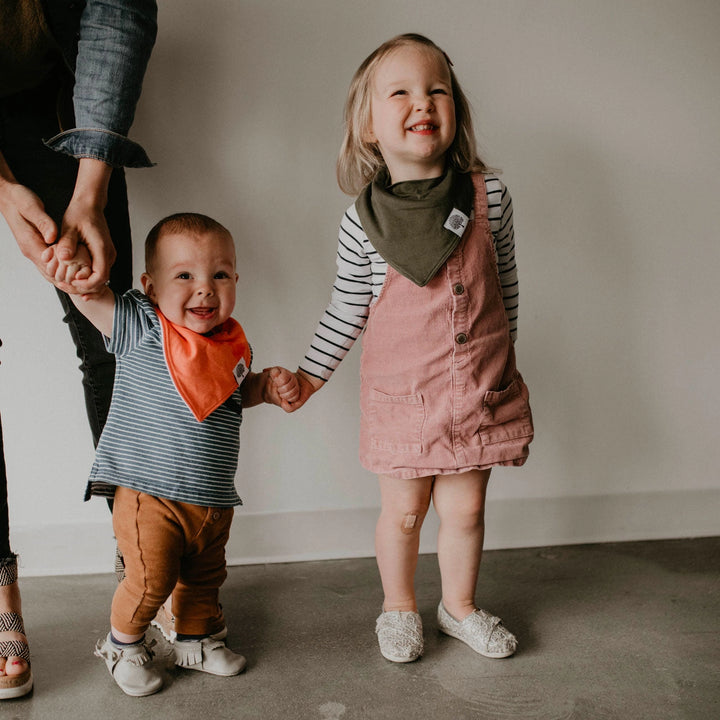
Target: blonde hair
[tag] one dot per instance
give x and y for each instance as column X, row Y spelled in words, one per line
column 360, row 160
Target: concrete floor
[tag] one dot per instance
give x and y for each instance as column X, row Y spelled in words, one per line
column 626, row 631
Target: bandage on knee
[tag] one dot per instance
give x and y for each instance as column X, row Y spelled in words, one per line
column 409, row 523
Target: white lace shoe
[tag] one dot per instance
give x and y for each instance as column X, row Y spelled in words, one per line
column 400, row 636
column 483, row 632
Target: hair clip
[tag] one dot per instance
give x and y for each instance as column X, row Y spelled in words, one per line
column 449, row 61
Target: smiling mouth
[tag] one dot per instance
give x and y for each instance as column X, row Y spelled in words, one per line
column 423, row 128
column 202, row 312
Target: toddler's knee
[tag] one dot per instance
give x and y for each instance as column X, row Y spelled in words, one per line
column 470, row 519
column 412, row 522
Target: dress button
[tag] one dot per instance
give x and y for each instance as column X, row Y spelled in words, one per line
column 458, row 288
column 216, row 515
column 461, row 338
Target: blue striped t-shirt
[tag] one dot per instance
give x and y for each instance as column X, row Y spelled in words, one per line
column 151, row 441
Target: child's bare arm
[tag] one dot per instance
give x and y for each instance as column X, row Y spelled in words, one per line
column 98, row 308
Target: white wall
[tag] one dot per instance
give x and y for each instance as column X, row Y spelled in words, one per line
column 604, row 118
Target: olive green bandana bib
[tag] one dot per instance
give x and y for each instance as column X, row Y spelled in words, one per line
column 416, row 225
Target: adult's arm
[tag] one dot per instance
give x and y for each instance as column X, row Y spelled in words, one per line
column 116, row 38
column 113, row 50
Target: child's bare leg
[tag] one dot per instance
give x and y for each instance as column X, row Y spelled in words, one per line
column 397, row 538
column 460, row 504
column 124, row 637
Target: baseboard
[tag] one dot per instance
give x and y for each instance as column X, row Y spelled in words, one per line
column 345, row 533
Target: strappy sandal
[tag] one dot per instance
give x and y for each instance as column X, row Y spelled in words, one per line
column 13, row 686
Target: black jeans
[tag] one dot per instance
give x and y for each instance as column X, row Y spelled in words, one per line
column 25, row 120
column 5, row 551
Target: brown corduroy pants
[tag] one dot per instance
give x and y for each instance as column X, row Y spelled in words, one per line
column 169, row 548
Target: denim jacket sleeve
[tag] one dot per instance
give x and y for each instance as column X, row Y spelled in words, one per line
column 109, row 56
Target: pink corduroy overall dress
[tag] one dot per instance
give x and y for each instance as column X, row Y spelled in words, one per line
column 440, row 393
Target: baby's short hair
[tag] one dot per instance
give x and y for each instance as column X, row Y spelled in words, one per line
column 186, row 222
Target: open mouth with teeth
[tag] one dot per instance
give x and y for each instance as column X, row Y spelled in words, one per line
column 423, row 128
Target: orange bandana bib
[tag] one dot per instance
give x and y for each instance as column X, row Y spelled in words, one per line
column 206, row 370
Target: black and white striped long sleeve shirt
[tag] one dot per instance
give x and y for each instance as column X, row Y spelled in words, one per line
column 361, row 274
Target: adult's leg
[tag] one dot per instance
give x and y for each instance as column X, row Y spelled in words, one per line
column 15, row 674
column 5, row 551
column 24, row 119
column 404, row 504
column 460, row 504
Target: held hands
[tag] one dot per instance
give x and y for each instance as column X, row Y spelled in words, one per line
column 64, row 273
column 84, row 229
column 290, row 391
column 280, row 388
column 84, row 224
column 293, row 389
column 84, row 249
column 70, row 264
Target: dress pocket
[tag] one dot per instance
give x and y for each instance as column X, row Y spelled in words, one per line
column 396, row 421
column 506, row 415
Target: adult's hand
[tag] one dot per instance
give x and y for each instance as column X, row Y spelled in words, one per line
column 84, row 222
column 24, row 212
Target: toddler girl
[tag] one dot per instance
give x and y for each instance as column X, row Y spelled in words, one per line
column 426, row 267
